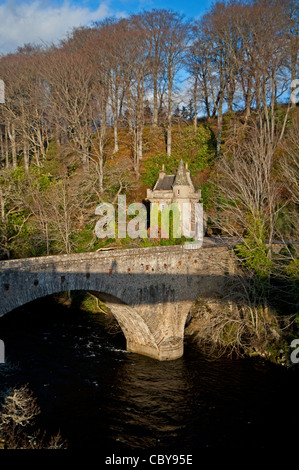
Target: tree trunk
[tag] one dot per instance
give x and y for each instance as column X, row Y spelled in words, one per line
column 26, row 154
column 12, row 137
column 206, row 96
column 231, row 93
column 2, row 149
column 169, row 129
column 36, row 156
column 6, row 149
column 139, row 136
column 219, row 121
column 115, row 129
column 101, row 150
column 294, row 83
column 130, row 113
column 169, row 139
column 195, row 103
column 155, row 113
column 248, row 100
column 47, row 238
column 136, row 159
column 2, row 206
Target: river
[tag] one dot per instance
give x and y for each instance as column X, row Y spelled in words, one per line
column 101, row 397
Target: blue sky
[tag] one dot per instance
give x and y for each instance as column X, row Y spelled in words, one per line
column 190, row 8
column 47, row 21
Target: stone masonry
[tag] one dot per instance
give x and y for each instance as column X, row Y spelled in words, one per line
column 149, row 290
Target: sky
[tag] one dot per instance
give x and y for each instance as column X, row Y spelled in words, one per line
column 48, row 21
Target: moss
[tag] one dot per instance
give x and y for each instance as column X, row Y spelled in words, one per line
column 91, row 303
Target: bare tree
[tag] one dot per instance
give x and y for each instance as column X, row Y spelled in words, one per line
column 17, row 419
column 247, row 189
column 71, row 80
column 176, row 39
column 199, row 64
column 238, row 322
column 291, row 34
column 19, row 410
column 108, row 48
column 155, row 24
column 289, row 166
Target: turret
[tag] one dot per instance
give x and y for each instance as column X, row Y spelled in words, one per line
column 181, row 186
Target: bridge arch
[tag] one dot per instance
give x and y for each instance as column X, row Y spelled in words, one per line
column 136, row 332
column 148, row 290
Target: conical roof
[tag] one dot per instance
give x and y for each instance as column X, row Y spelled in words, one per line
column 181, row 176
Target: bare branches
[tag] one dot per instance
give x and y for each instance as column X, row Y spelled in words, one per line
column 19, row 408
column 17, row 419
column 290, row 164
column 247, row 190
column 238, row 322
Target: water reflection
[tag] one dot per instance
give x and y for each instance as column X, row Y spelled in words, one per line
column 152, row 396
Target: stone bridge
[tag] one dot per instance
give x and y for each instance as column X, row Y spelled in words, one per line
column 149, row 290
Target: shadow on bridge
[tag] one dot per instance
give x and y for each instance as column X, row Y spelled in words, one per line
column 19, row 288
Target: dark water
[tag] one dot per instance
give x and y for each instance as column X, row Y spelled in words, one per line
column 101, row 397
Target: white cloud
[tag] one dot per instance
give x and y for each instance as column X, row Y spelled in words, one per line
column 40, row 21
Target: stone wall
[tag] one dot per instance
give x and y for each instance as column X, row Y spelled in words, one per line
column 149, row 290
